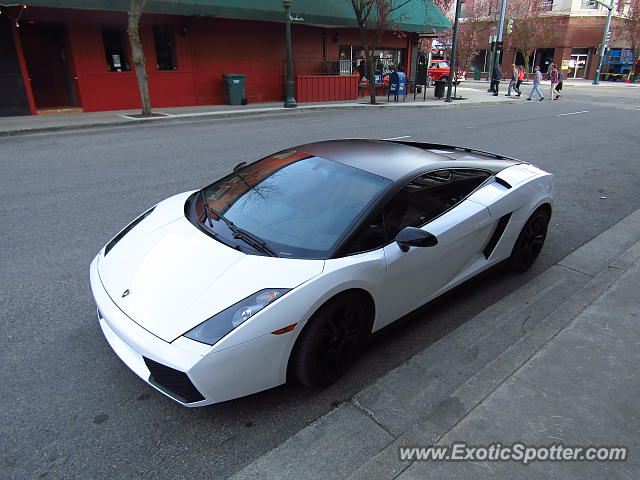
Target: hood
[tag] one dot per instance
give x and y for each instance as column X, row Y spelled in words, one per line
column 177, row 276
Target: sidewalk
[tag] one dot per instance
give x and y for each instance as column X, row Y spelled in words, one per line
column 70, row 121
column 560, row 360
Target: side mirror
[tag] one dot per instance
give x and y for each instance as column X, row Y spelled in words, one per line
column 239, row 166
column 414, row 237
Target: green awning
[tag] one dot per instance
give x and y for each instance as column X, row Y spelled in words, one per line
column 416, row 16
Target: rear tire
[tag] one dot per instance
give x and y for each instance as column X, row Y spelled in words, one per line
column 331, row 341
column 529, row 242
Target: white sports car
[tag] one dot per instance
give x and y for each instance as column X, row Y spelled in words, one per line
column 282, row 269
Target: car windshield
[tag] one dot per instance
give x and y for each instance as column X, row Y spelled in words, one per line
column 299, row 205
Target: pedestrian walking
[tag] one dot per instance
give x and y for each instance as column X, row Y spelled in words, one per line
column 537, row 78
column 513, row 83
column 559, row 87
column 553, row 77
column 520, row 77
column 497, row 76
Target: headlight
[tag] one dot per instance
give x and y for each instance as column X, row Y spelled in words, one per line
column 127, row 229
column 213, row 329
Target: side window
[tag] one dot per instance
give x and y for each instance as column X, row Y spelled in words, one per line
column 429, row 196
column 370, row 237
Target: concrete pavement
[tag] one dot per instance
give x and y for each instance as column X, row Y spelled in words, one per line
column 568, row 376
column 70, row 121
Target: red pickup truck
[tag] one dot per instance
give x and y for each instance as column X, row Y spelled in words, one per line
column 439, row 70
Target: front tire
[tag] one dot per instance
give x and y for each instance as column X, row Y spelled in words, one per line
column 529, row 242
column 331, row 341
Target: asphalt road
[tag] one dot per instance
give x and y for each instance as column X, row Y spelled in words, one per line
column 71, row 409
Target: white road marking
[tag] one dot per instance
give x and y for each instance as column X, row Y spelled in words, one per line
column 397, row 138
column 572, row 113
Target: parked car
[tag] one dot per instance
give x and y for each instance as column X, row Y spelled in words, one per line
column 440, row 69
column 282, row 269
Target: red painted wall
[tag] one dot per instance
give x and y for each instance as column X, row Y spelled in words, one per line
column 325, row 88
column 205, row 49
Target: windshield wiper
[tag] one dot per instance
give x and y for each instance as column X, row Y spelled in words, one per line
column 238, row 232
column 205, row 209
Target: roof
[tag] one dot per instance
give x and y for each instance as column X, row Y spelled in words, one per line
column 399, row 160
column 415, row 16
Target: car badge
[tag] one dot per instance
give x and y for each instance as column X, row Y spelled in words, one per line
column 125, row 293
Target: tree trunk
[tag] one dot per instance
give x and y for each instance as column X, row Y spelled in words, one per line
column 135, row 12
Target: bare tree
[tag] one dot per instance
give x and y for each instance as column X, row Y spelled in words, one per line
column 471, row 28
column 133, row 30
column 626, row 28
column 374, row 18
column 532, row 28
column 426, row 44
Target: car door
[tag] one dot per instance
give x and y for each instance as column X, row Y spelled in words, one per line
column 437, row 203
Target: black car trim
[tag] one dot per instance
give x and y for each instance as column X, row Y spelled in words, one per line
column 503, row 182
column 497, row 235
column 112, row 243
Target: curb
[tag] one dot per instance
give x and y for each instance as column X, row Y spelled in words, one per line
column 418, row 402
column 185, row 117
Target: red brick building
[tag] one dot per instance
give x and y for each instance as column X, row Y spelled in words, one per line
column 576, row 49
column 75, row 54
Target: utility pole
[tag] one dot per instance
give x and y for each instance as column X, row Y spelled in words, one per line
column 454, row 47
column 603, row 46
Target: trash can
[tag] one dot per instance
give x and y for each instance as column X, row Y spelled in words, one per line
column 234, row 84
column 476, row 75
column 438, row 90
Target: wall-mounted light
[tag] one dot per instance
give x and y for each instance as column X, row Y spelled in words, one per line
column 336, row 38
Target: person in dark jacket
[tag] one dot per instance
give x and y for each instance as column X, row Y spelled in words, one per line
column 497, row 76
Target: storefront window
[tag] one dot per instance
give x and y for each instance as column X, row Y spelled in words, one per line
column 163, row 39
column 113, row 38
column 387, row 59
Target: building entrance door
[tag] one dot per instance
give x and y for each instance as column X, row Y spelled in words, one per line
column 577, row 66
column 47, row 57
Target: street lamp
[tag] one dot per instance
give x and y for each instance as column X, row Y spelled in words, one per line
column 454, row 47
column 290, row 101
column 596, row 81
column 497, row 45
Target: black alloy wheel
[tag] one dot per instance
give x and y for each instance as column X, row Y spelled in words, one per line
column 529, row 242
column 331, row 341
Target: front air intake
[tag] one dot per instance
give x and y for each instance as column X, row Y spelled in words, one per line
column 173, row 382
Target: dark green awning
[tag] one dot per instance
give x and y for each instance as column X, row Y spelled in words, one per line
column 416, row 16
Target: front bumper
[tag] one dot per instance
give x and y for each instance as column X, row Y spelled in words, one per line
column 189, row 372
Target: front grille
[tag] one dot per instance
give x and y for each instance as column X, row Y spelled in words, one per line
column 173, row 382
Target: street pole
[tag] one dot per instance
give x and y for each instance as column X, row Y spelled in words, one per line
column 290, row 101
column 497, row 56
column 454, row 47
column 603, row 46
